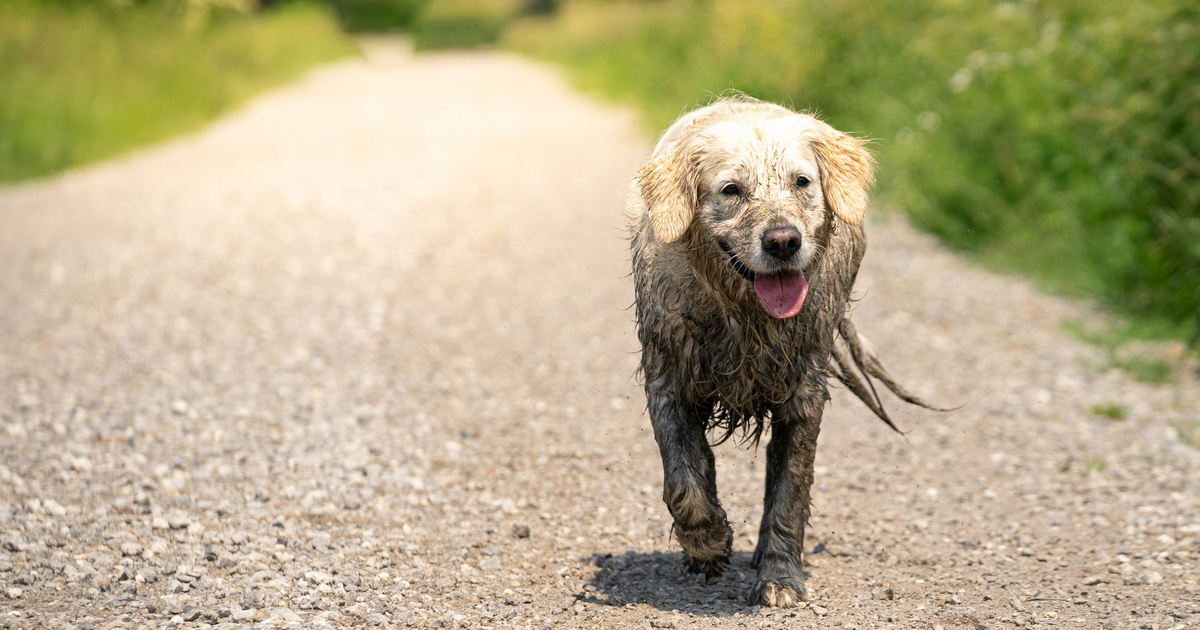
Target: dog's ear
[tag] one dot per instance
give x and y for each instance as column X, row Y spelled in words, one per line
column 669, row 189
column 846, row 173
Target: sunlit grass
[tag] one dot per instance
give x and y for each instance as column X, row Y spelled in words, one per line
column 84, row 81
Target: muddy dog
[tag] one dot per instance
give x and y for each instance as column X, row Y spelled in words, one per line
column 747, row 234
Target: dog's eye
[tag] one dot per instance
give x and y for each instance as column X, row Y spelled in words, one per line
column 731, row 189
column 802, row 181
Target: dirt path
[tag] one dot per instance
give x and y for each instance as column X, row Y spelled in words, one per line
column 360, row 355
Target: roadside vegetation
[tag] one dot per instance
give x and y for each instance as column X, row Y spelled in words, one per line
column 83, row 80
column 1059, row 140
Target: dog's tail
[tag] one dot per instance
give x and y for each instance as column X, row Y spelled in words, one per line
column 852, row 350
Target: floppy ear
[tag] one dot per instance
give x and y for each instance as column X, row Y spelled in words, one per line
column 669, row 187
column 846, row 173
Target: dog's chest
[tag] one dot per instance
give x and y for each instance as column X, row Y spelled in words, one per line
column 746, row 365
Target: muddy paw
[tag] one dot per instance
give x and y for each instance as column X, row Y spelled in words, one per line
column 708, row 547
column 778, row 592
column 712, row 568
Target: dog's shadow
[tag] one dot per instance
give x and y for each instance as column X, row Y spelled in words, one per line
column 661, row 580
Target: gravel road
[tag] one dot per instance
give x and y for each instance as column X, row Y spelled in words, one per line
column 361, row 355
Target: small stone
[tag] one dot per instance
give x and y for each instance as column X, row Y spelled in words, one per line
column 321, row 541
column 191, row 615
column 177, row 620
column 1093, row 580
column 491, row 563
column 176, row 587
column 521, row 531
column 14, row 593
column 376, row 619
column 179, row 521
column 131, row 548
column 819, row 610
column 883, row 594
column 318, row 577
column 147, row 575
column 243, row 616
column 286, row 615
column 16, row 543
column 179, row 407
column 160, row 522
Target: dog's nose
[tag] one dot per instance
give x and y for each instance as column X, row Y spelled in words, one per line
column 782, row 243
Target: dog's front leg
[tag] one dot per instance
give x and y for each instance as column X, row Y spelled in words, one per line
column 690, row 483
column 790, row 457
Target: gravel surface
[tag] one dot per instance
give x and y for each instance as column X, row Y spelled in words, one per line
column 360, row 355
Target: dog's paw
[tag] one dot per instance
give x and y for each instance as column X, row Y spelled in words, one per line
column 712, row 568
column 708, row 547
column 778, row 593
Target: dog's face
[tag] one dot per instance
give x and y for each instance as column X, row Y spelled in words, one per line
column 758, row 186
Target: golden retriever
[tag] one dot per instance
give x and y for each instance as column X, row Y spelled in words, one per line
column 747, row 234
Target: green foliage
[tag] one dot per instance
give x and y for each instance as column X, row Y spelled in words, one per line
column 1056, row 139
column 379, row 15
column 463, row 23
column 80, row 81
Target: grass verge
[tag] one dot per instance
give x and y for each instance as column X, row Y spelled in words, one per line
column 82, row 81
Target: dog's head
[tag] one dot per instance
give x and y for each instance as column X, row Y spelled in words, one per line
column 759, row 185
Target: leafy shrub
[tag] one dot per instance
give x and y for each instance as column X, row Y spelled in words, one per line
column 379, row 15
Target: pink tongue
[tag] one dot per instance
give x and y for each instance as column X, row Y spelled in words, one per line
column 782, row 293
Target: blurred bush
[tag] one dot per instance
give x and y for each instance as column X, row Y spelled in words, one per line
column 82, row 80
column 1057, row 139
column 378, row 15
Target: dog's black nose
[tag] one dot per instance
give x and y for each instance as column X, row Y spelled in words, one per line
column 782, row 243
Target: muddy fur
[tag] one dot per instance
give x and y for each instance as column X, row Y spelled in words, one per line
column 714, row 360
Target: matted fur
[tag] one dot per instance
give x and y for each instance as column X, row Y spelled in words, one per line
column 713, row 357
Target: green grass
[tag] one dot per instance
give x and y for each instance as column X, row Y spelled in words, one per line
column 1124, row 345
column 1112, row 411
column 1096, row 463
column 81, row 81
column 1059, row 139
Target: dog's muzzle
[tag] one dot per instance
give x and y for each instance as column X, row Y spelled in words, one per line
column 782, row 293
column 737, row 263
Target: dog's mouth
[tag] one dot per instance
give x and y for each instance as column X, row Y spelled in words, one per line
column 781, row 292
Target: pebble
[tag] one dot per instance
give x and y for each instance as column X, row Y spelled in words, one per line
column 131, row 548
column 284, row 614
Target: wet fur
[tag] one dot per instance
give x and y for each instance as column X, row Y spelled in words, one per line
column 713, row 359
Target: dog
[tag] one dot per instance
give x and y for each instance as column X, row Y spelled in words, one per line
column 747, row 233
